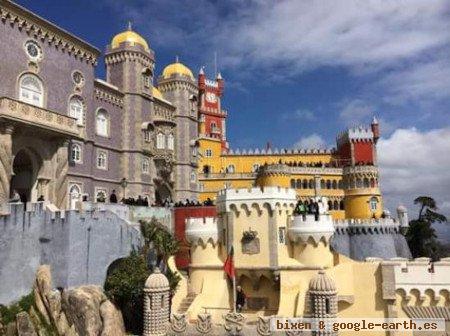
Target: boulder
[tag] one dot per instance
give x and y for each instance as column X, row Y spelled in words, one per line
column 82, row 308
column 113, row 324
column 24, row 325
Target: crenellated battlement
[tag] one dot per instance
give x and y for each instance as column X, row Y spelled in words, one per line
column 304, row 227
column 419, row 278
column 277, row 151
column 271, row 197
column 355, row 134
column 202, row 230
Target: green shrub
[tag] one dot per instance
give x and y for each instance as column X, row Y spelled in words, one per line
column 8, row 313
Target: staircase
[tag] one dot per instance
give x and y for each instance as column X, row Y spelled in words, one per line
column 186, row 302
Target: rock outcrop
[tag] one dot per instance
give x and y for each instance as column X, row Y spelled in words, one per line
column 80, row 311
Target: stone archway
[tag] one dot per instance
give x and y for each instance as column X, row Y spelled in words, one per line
column 162, row 193
column 26, row 166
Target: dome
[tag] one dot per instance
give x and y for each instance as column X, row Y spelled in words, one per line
column 131, row 37
column 157, row 94
column 322, row 283
column 177, row 68
column 157, row 282
column 402, row 208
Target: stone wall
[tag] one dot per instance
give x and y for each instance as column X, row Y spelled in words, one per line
column 79, row 247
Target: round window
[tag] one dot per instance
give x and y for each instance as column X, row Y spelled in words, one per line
column 78, row 78
column 33, row 50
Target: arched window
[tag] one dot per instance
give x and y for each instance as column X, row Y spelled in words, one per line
column 299, row 184
column 311, row 184
column 231, row 169
column 328, row 184
column 101, row 123
column 341, row 205
column 170, row 141
column 334, row 184
column 359, row 183
column 340, row 184
column 292, row 183
column 76, row 153
column 76, row 109
column 373, row 204
column 101, row 160
column 31, row 90
column 160, row 141
column 305, row 184
column 330, row 205
column 322, row 184
column 193, row 177
column 372, row 182
column 366, row 183
column 336, row 205
column 147, row 77
column 145, row 165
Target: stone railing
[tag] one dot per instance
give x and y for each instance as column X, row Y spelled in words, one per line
column 15, row 110
column 315, row 170
column 220, row 176
column 163, row 114
column 361, row 170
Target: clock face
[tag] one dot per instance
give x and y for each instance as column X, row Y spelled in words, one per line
column 211, row 97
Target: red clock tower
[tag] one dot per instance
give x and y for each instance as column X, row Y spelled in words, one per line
column 212, row 117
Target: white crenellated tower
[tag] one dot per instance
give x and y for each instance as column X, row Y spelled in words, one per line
column 310, row 237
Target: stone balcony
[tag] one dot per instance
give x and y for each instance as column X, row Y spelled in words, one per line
column 17, row 111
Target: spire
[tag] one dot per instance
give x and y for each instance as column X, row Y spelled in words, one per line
column 219, row 76
column 130, row 27
column 177, row 60
column 374, row 120
column 202, row 70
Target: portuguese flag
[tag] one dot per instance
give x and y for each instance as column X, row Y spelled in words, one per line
column 228, row 267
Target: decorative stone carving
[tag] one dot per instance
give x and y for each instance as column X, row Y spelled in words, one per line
column 234, row 323
column 204, row 324
column 178, row 323
column 156, row 304
column 263, row 326
column 250, row 243
column 294, row 332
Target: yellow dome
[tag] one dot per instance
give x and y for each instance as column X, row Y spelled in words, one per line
column 157, row 93
column 131, row 37
column 177, row 68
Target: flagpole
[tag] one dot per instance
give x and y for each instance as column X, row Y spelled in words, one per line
column 234, row 294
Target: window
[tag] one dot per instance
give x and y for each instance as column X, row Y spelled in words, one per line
column 31, row 90
column 101, row 125
column 231, row 169
column 373, row 204
column 255, row 167
column 170, row 141
column 33, row 50
column 147, row 78
column 76, row 109
column 327, row 305
column 193, row 177
column 208, row 153
column 75, row 153
column 147, row 136
column 282, row 235
column 160, row 141
column 102, row 160
column 214, row 127
column 145, row 165
column 100, row 195
column 292, row 183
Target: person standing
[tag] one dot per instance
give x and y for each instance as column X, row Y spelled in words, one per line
column 241, row 298
column 113, row 197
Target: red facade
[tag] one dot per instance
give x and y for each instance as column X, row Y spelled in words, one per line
column 363, row 151
column 182, row 258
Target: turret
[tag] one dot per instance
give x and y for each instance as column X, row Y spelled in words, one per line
column 375, row 129
column 276, row 175
column 156, row 304
column 402, row 214
column 310, row 236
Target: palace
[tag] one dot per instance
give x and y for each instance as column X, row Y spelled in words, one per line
column 66, row 134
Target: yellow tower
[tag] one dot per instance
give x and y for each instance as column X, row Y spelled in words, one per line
column 276, row 175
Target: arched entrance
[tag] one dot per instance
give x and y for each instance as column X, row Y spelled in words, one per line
column 162, row 193
column 24, row 176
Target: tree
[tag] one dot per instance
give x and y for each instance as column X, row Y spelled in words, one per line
column 421, row 236
column 126, row 277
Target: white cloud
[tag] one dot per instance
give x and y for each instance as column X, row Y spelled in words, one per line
column 312, row 141
column 356, row 111
column 414, row 163
column 299, row 114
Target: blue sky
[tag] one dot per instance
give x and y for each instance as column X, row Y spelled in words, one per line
column 298, row 72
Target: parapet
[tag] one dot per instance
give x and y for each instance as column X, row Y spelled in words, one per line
column 268, row 196
column 420, row 276
column 304, row 227
column 359, row 133
column 277, row 151
column 378, row 225
column 202, row 230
